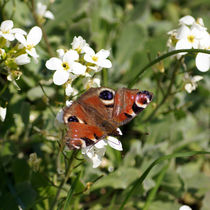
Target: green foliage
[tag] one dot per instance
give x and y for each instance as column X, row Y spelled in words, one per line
column 162, row 165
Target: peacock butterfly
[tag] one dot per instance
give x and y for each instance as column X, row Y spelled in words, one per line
column 99, row 112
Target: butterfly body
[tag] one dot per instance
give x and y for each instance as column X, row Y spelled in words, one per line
column 99, row 112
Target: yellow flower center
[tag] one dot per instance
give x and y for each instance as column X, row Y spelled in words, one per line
column 30, row 47
column 191, row 38
column 65, row 66
column 79, row 50
column 95, row 58
column 6, row 32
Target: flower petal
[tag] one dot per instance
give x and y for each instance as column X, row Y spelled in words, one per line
column 96, row 161
column 22, row 59
column 34, row 36
column 189, row 88
column 196, row 78
column 100, row 144
column 185, row 207
column 88, row 58
column 60, row 52
column 3, row 112
column 59, row 116
column 60, row 77
column 70, row 55
column 202, row 62
column 18, row 31
column 78, row 68
column 21, row 39
column 69, row 103
column 88, row 50
column 103, row 53
column 54, row 64
column 32, row 52
column 114, row 143
column 49, row 15
column 9, row 37
column 6, row 25
column 182, row 32
column 183, row 44
column 188, row 20
column 105, row 63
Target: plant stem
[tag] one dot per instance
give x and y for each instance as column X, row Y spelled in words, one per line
column 49, row 106
column 168, row 93
column 68, row 172
column 49, row 49
column 136, row 78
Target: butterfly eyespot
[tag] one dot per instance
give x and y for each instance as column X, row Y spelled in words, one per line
column 106, row 95
column 149, row 95
column 73, row 119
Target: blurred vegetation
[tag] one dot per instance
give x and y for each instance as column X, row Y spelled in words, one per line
column 175, row 122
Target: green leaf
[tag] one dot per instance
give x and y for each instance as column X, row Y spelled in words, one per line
column 115, row 180
column 37, row 93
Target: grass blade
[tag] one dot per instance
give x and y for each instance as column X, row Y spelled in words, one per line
column 154, row 190
column 70, row 193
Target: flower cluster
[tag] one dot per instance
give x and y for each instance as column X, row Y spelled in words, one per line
column 82, row 61
column 42, row 12
column 16, row 48
column 79, row 61
column 191, row 82
column 191, row 34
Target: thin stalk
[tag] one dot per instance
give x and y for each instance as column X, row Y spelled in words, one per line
column 49, row 106
column 33, row 10
column 4, row 88
column 68, row 172
column 168, row 93
column 105, row 77
column 136, row 78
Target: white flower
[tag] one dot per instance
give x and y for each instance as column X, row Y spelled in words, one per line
column 59, row 116
column 187, row 38
column 202, row 62
column 33, row 38
column 79, row 44
column 2, row 52
column 96, row 82
column 192, row 84
column 3, row 112
column 98, row 58
column 70, row 91
column 22, row 59
column 60, row 52
column 95, row 152
column 42, row 11
column 69, row 103
column 65, row 66
column 8, row 32
column 185, row 207
column 114, row 143
column 187, row 20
